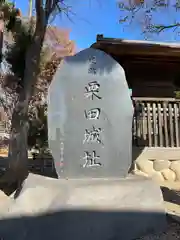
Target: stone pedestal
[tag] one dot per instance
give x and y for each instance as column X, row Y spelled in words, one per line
column 97, row 209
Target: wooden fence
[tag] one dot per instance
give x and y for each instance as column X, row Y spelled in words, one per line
column 156, row 122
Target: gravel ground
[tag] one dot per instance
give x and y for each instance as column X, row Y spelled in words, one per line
column 172, row 204
column 172, row 232
column 171, row 195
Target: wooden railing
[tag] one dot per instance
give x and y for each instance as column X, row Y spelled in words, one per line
column 156, row 122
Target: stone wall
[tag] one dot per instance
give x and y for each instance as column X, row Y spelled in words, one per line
column 158, row 163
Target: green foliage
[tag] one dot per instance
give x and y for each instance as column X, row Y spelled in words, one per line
column 177, row 94
column 12, row 20
column 9, row 14
column 16, row 53
column 16, row 58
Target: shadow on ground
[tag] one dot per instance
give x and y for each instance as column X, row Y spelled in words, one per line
column 171, row 196
column 39, row 166
column 82, row 225
column 44, row 167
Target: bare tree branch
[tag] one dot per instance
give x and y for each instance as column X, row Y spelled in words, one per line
column 39, row 12
column 160, row 28
column 49, row 7
column 130, row 13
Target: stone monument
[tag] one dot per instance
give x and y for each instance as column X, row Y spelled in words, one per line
column 90, row 135
column 90, row 117
column 89, row 128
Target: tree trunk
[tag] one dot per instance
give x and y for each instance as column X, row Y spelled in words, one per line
column 17, row 169
column 18, row 147
column 18, row 154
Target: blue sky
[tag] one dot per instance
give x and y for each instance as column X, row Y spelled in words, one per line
column 92, row 17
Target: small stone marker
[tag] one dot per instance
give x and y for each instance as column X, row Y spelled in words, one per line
column 90, row 117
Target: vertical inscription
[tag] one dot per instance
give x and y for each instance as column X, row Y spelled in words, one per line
column 93, row 135
column 92, row 90
column 91, row 160
column 92, row 114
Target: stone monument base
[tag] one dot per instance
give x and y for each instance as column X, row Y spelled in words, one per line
column 98, row 209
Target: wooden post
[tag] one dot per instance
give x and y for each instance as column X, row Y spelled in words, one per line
column 160, row 125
